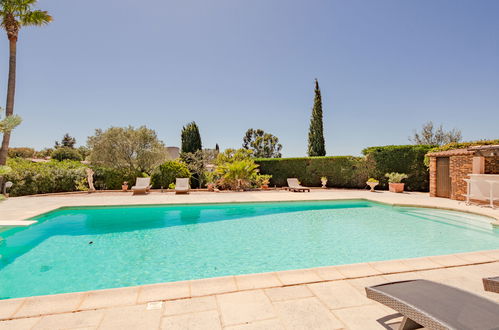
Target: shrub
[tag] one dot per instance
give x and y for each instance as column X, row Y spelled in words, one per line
column 166, row 173
column 66, row 153
column 395, row 177
column 106, row 178
column 402, row 159
column 21, row 152
column 236, row 169
column 38, row 178
column 341, row 171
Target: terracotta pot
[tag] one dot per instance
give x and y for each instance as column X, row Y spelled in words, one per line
column 265, row 186
column 211, row 187
column 396, row 187
column 124, row 187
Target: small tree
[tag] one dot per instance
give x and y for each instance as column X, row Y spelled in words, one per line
column 66, row 153
column 191, row 139
column 197, row 163
column 263, row 145
column 127, row 148
column 316, row 144
column 67, row 142
column 166, row 173
column 431, row 136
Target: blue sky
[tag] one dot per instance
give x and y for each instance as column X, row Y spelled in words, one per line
column 385, row 67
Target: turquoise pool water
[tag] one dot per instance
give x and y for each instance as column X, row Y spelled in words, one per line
column 79, row 249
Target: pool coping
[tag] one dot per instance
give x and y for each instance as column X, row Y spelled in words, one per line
column 448, row 208
column 35, row 306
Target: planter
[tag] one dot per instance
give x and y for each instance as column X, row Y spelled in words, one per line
column 324, row 183
column 396, row 187
column 210, row 187
column 265, row 186
column 372, row 185
column 124, row 187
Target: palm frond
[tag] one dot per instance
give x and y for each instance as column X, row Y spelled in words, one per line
column 35, row 17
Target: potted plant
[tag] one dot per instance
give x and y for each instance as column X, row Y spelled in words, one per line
column 124, row 186
column 324, row 182
column 372, row 183
column 210, row 181
column 264, row 181
column 395, row 183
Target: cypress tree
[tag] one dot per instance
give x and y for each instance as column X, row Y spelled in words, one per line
column 316, row 144
column 191, row 139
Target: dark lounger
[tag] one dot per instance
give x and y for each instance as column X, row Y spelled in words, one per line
column 436, row 306
column 491, row 284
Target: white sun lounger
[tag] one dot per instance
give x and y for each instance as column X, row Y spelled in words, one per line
column 294, row 185
column 142, row 186
column 182, row 186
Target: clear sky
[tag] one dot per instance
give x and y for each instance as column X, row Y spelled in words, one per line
column 385, row 67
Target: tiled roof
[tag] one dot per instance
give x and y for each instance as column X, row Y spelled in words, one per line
column 463, row 152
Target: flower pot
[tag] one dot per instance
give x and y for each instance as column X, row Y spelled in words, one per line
column 372, row 185
column 324, row 183
column 396, row 187
column 265, row 186
column 210, row 186
column 124, row 187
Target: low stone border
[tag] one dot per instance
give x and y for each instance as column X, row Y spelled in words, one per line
column 128, row 296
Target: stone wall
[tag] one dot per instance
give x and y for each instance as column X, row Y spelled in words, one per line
column 433, row 176
column 460, row 168
column 492, row 165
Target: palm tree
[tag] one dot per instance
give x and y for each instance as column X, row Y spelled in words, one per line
column 15, row 14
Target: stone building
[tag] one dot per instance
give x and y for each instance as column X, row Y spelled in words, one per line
column 448, row 169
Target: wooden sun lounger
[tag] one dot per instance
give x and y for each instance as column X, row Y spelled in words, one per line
column 491, row 284
column 294, row 185
column 436, row 306
column 142, row 186
column 182, row 186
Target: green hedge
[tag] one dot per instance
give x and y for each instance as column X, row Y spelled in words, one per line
column 39, row 178
column 111, row 179
column 166, row 173
column 341, row 171
column 408, row 159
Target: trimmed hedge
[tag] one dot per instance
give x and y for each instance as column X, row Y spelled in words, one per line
column 408, row 159
column 341, row 171
column 39, row 178
column 111, row 179
column 165, row 174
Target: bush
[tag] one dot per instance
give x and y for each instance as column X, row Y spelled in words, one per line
column 21, row 153
column 39, row 178
column 341, row 171
column 402, row 159
column 166, row 173
column 106, row 178
column 66, row 153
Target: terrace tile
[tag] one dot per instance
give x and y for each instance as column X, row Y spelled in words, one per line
column 449, row 260
column 420, row 263
column 307, row 313
column 70, row 320
column 257, row 281
column 330, row 273
column 357, row 270
column 245, row 307
column 9, row 307
column 299, row 276
column 339, row 294
column 212, row 286
column 53, row 304
column 494, row 254
column 164, row 291
column 26, row 323
column 273, row 324
column 289, row 292
column 131, row 317
column 195, row 321
column 111, row 297
column 390, row 266
column 364, row 317
column 191, row 305
column 361, row 283
column 475, row 257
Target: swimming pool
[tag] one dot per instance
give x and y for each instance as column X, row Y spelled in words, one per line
column 80, row 249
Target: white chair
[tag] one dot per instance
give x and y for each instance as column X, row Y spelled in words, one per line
column 182, row 186
column 142, row 186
